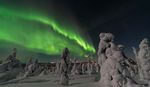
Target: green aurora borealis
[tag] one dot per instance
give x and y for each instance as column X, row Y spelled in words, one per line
column 38, row 32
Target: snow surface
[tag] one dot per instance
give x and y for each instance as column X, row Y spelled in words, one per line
column 52, row 80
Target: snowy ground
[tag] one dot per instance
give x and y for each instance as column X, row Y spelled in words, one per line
column 52, row 80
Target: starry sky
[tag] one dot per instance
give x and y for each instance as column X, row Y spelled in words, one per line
column 128, row 20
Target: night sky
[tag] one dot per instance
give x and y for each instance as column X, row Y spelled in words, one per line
column 128, row 20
